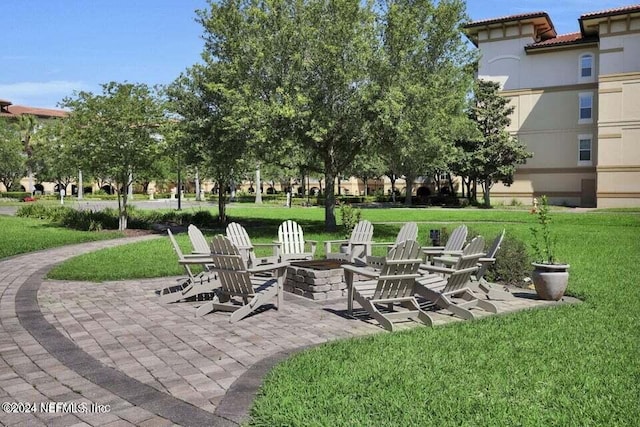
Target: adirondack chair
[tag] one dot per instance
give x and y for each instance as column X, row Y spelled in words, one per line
column 409, row 231
column 291, row 243
column 238, row 282
column 454, row 244
column 492, row 290
column 199, row 285
column 393, row 284
column 198, row 241
column 358, row 246
column 238, row 235
column 448, row 287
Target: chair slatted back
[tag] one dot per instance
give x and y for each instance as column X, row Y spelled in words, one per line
column 198, row 241
column 457, row 239
column 491, row 253
column 466, row 265
column 409, row 231
column 399, row 271
column 291, row 238
column 362, row 232
column 238, row 235
column 178, row 251
column 231, row 268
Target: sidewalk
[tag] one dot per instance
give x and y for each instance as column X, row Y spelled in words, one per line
column 133, row 361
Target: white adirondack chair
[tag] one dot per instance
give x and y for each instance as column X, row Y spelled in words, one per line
column 358, row 246
column 198, row 241
column 292, row 245
column 239, row 237
column 448, row 287
column 454, row 245
column 199, row 285
column 240, row 291
column 393, row 284
column 409, row 231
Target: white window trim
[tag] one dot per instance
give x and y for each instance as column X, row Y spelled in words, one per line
column 593, row 67
column 581, row 95
column 585, row 162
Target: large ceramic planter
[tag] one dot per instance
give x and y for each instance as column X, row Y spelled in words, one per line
column 550, row 280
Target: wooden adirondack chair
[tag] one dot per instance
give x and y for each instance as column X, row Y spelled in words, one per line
column 454, row 245
column 409, row 231
column 448, row 287
column 194, row 285
column 198, row 241
column 240, row 292
column 358, row 246
column 492, row 290
column 238, row 235
column 393, row 284
column 291, row 243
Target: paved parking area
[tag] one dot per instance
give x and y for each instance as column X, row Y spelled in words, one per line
column 111, row 354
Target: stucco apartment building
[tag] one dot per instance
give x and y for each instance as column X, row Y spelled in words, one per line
column 577, row 104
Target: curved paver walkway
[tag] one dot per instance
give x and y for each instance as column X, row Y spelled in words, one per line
column 114, row 344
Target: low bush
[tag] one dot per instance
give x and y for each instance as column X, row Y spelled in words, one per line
column 19, row 195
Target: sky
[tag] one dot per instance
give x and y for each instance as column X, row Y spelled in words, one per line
column 51, row 48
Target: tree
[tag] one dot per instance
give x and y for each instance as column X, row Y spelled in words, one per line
column 53, row 158
column 366, row 166
column 287, row 76
column 494, row 156
column 12, row 158
column 28, row 125
column 423, row 76
column 117, row 133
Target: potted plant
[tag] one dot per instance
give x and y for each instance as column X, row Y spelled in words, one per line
column 550, row 277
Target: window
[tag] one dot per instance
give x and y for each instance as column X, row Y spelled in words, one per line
column 586, row 66
column 584, row 150
column 586, row 107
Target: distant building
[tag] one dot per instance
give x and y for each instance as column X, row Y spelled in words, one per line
column 577, row 103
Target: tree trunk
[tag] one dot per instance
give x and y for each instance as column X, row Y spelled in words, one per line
column 198, row 195
column 257, row 186
column 486, row 190
column 392, row 178
column 222, row 212
column 329, row 201
column 122, row 210
column 408, row 190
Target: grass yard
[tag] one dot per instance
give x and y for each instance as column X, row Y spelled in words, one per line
column 569, row 365
column 21, row 235
column 572, row 365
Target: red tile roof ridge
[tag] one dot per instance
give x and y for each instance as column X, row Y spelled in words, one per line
column 18, row 110
column 613, row 11
column 509, row 18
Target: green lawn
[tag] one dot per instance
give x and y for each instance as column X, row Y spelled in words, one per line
column 21, row 235
column 569, row 365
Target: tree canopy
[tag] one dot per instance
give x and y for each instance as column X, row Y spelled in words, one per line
column 117, row 134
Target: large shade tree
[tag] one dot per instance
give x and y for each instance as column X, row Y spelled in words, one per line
column 53, row 156
column 13, row 164
column 288, row 76
column 423, row 76
column 117, row 133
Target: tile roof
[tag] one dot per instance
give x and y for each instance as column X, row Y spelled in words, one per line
column 609, row 12
column 509, row 18
column 17, row 110
column 562, row 39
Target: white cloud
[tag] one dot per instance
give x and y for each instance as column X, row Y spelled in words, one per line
column 40, row 94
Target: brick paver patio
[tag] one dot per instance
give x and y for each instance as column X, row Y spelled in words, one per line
column 146, row 363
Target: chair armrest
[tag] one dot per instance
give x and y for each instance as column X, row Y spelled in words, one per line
column 432, row 248
column 437, row 269
column 267, row 267
column 360, row 270
column 328, row 243
column 313, row 244
column 195, row 261
column 445, row 260
column 487, row 260
column 382, row 243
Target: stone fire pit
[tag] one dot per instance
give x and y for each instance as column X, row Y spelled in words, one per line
column 317, row 279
